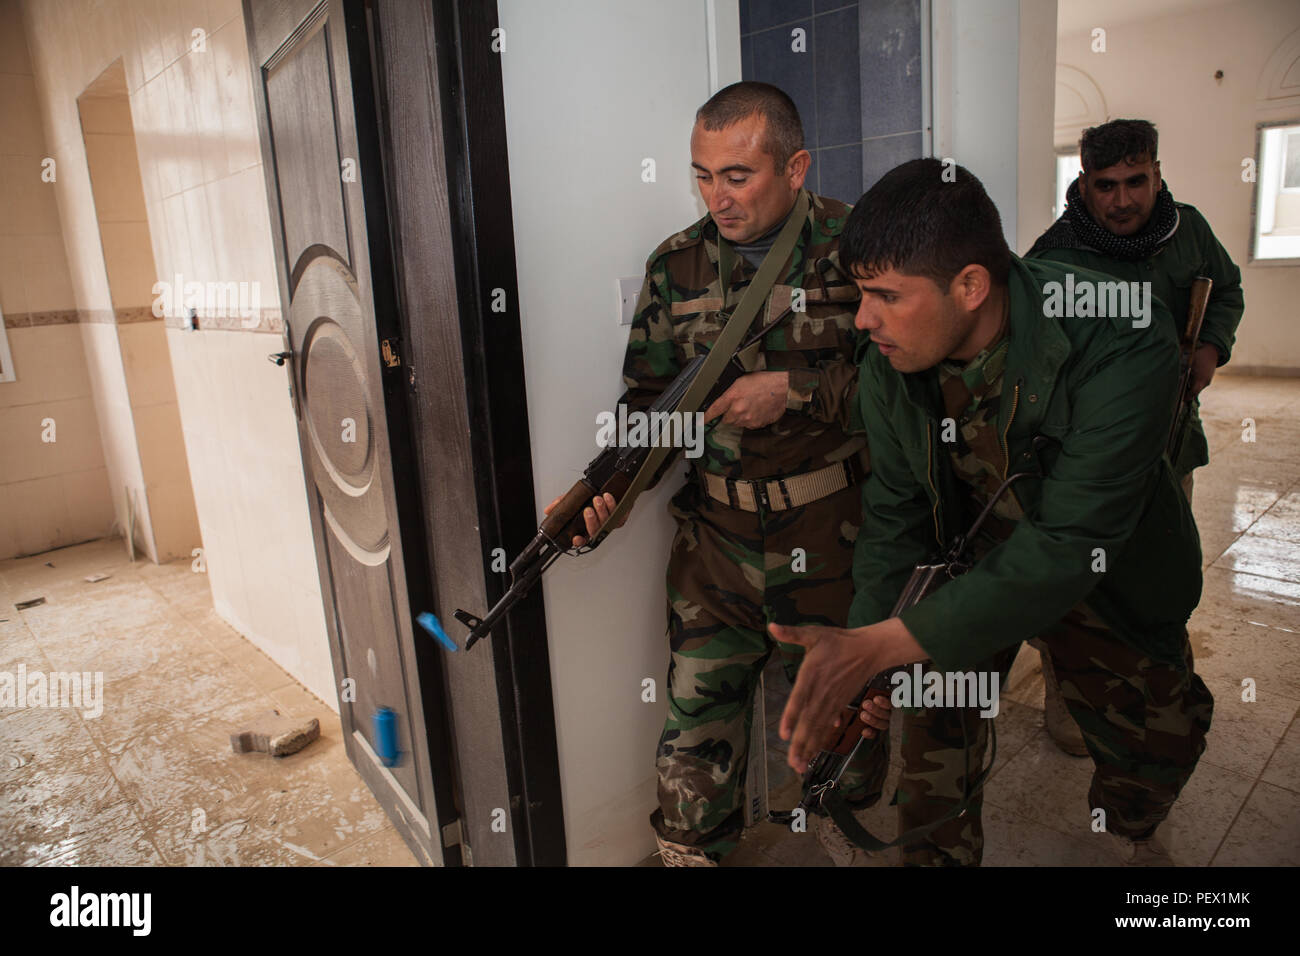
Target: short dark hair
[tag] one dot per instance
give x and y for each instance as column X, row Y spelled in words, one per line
column 1123, row 139
column 783, row 131
column 926, row 218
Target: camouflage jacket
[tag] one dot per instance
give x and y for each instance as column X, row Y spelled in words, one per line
column 677, row 318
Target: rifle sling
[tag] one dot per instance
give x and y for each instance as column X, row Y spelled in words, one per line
column 843, row 816
column 726, row 345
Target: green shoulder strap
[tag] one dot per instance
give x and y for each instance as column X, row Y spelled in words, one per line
column 733, row 333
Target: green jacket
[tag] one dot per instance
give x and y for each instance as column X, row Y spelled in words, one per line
column 1193, row 251
column 1100, row 389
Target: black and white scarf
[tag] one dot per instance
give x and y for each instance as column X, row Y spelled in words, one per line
column 1078, row 230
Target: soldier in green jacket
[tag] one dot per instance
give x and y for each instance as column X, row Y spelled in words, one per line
column 1121, row 219
column 972, row 359
column 767, row 518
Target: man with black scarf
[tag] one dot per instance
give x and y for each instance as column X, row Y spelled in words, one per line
column 1121, row 219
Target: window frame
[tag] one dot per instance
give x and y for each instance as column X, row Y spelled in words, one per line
column 1252, row 245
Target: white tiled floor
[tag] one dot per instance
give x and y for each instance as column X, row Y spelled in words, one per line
column 153, row 779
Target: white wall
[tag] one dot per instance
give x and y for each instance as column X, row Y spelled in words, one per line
column 992, row 73
column 591, row 89
column 1163, row 70
column 205, row 198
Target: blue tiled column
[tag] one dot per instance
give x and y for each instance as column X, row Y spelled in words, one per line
column 858, row 86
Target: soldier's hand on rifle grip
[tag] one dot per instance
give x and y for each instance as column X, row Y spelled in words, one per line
column 1204, row 362
column 602, row 506
column 875, row 714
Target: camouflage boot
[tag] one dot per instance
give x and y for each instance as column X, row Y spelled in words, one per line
column 678, row 854
column 1060, row 725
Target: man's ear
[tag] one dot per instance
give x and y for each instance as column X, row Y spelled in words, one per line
column 1156, row 168
column 796, row 170
column 971, row 287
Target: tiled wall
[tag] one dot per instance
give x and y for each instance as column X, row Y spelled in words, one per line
column 56, row 493
column 114, row 168
column 205, row 202
column 857, row 83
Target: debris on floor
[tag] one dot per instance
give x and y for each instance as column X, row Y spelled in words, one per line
column 34, row 602
column 276, row 735
column 92, row 578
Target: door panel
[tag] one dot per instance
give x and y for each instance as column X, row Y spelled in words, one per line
column 309, row 120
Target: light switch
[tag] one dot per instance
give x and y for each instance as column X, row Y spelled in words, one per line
column 628, row 291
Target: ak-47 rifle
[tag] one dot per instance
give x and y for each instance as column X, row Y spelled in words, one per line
column 845, row 743
column 610, row 472
column 1187, row 352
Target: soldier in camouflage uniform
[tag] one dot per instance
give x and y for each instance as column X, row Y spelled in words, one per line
column 1098, row 554
column 742, row 557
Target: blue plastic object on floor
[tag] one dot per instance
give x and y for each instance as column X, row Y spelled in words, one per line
column 431, row 624
column 386, row 736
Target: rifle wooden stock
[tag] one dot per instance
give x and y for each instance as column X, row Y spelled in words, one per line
column 565, row 520
column 1196, row 306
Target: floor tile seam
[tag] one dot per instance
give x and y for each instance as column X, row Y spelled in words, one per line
column 1236, row 686
column 131, row 802
column 1267, row 577
column 1027, row 818
column 996, row 771
column 1276, row 747
column 1235, row 817
column 387, row 828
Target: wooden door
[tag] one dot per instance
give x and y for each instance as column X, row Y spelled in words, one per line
column 324, row 185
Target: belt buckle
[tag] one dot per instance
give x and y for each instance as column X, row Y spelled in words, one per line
column 760, row 493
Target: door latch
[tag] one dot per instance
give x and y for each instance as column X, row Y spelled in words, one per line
column 279, row 358
column 388, row 348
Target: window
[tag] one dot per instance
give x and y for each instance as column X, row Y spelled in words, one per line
column 1068, row 168
column 1277, row 194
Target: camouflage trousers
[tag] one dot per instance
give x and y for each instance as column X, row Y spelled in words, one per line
column 1144, row 724
column 732, row 573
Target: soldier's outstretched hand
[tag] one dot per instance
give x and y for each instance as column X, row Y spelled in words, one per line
column 838, row 664
column 832, row 672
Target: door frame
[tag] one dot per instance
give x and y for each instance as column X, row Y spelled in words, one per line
column 439, row 52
